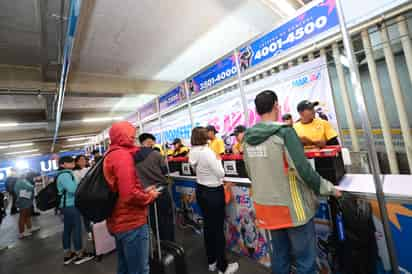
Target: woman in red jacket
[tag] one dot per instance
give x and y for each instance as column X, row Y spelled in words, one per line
column 128, row 222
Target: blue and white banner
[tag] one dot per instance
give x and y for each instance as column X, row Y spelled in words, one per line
column 316, row 20
column 148, row 109
column 172, row 98
column 222, row 70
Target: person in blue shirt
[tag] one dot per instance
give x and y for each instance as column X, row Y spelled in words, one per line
column 66, row 186
column 24, row 193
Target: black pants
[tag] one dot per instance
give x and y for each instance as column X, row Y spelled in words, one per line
column 212, row 204
column 165, row 214
column 14, row 209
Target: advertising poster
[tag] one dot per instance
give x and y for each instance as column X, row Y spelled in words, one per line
column 172, row 98
column 188, row 213
column 148, row 109
column 242, row 235
column 222, row 70
column 318, row 19
column 177, row 125
column 308, row 81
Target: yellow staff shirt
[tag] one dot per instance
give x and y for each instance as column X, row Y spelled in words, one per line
column 217, row 145
column 317, row 130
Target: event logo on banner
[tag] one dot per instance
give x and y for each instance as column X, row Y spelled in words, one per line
column 220, row 71
column 172, row 98
column 148, row 109
column 316, row 20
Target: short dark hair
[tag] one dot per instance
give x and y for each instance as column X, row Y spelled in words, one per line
column 287, row 116
column 199, row 136
column 144, row 136
column 78, row 157
column 65, row 159
column 265, row 101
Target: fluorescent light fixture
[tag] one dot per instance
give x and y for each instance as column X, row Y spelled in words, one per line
column 16, row 145
column 21, row 145
column 9, row 124
column 78, row 145
column 78, row 139
column 29, row 155
column 21, row 164
column 102, row 119
column 21, row 152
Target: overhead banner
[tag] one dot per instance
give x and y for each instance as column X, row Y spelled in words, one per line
column 314, row 21
column 222, row 70
column 172, row 98
column 148, row 109
column 177, row 125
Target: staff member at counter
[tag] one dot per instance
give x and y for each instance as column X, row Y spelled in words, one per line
column 313, row 131
column 216, row 144
column 239, row 133
column 180, row 149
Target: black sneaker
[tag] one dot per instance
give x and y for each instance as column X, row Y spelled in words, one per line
column 69, row 258
column 83, row 258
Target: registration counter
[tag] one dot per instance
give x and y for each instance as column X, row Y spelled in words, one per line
column 244, row 238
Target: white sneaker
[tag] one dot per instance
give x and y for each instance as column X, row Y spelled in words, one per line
column 34, row 229
column 25, row 235
column 213, row 267
column 231, row 268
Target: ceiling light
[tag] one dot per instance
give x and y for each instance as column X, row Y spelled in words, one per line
column 102, row 119
column 77, row 145
column 21, row 152
column 78, row 139
column 21, row 145
column 9, row 124
column 29, row 155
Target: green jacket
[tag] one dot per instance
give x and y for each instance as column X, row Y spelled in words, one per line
column 284, row 184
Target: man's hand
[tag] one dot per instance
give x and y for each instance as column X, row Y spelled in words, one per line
column 154, row 193
column 150, row 189
column 338, row 193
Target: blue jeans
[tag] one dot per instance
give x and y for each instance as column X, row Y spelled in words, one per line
column 72, row 228
column 133, row 251
column 297, row 244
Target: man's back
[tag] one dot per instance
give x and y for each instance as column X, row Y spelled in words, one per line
column 284, row 184
column 151, row 167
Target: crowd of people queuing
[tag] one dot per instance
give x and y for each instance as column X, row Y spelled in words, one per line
column 285, row 189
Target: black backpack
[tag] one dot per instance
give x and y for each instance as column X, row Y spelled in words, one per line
column 49, row 198
column 94, row 199
column 355, row 252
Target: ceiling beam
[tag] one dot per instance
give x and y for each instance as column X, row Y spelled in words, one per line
column 42, row 9
column 26, row 77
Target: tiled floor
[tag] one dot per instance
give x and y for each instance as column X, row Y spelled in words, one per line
column 42, row 253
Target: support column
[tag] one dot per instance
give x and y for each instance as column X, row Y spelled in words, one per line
column 311, row 56
column 345, row 99
column 377, row 91
column 189, row 105
column 242, row 90
column 397, row 94
column 406, row 43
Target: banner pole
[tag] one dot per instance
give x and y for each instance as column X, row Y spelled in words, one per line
column 373, row 158
column 241, row 88
column 189, row 104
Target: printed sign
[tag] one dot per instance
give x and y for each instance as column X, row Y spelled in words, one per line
column 222, row 70
column 316, row 20
column 148, row 109
column 172, row 98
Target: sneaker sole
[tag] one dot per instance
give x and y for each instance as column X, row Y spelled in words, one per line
column 69, row 262
column 84, row 260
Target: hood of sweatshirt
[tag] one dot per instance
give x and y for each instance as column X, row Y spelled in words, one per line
column 260, row 132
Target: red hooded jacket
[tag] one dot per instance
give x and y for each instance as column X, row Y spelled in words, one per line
column 119, row 169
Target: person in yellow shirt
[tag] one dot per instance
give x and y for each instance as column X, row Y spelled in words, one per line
column 216, row 144
column 239, row 133
column 180, row 149
column 313, row 131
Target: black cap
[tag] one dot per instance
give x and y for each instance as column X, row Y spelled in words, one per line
column 177, row 141
column 144, row 136
column 211, row 128
column 286, row 116
column 306, row 105
column 65, row 159
column 238, row 129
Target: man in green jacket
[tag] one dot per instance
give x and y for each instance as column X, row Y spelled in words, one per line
column 284, row 187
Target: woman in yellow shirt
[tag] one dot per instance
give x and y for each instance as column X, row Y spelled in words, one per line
column 239, row 133
column 216, row 144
